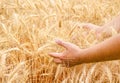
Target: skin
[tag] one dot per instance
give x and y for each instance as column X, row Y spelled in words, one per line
column 115, row 23
column 104, row 51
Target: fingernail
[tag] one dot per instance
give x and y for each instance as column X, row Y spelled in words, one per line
column 57, row 40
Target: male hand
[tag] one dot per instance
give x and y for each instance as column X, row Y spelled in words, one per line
column 69, row 57
column 92, row 26
column 101, row 31
column 98, row 29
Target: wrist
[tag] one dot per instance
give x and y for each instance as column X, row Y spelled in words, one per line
column 89, row 55
column 84, row 56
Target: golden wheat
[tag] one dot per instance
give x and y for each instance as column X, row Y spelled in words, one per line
column 27, row 32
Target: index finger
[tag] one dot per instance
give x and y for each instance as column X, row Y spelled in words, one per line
column 63, row 43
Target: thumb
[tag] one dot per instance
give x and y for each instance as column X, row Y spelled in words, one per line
column 55, row 55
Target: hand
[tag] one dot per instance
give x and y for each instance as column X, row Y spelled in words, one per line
column 101, row 31
column 98, row 29
column 70, row 57
column 89, row 26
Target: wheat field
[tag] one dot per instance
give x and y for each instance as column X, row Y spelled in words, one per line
column 27, row 32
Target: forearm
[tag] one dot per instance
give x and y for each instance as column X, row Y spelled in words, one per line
column 107, row 50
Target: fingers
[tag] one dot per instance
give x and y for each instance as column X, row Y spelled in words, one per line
column 64, row 44
column 61, row 43
column 86, row 26
column 94, row 27
column 90, row 26
column 62, row 62
column 56, row 55
column 57, row 60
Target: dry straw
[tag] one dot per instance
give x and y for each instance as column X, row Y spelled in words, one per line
column 27, row 31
